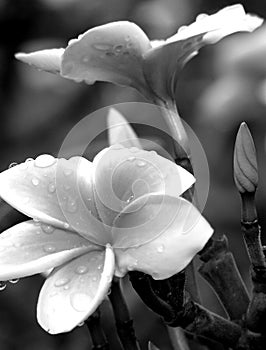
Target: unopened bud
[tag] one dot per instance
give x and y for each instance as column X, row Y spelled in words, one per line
column 245, row 161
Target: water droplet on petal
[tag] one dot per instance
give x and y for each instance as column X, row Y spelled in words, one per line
column 181, row 29
column 130, row 159
column 201, row 16
column 66, row 225
column 81, row 269
column 81, row 324
column 66, row 287
column 130, row 198
column 71, row 206
column 47, row 228
column 67, row 172
column 44, row 161
column 12, row 165
column 2, row 285
column 29, row 160
column 51, row 187
column 35, row 181
column 118, row 48
column 99, row 267
column 14, row 281
column 160, row 249
column 141, row 163
column 101, row 47
column 36, row 221
column 80, row 301
column 61, row 282
column 49, row 248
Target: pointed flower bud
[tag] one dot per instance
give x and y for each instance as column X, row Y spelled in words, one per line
column 245, row 161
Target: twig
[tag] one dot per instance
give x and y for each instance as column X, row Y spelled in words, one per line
column 220, row 271
column 196, row 319
column 97, row 334
column 124, row 323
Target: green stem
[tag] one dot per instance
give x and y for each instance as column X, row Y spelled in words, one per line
column 124, row 323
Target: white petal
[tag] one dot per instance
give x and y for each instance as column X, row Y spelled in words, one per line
column 29, row 248
column 74, row 291
column 55, row 191
column 122, row 175
column 120, row 131
column 179, row 230
column 46, row 60
column 229, row 20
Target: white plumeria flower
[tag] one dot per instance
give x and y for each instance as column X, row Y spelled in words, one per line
column 121, row 53
column 93, row 220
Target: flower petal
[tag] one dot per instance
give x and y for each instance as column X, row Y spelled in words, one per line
column 180, row 229
column 120, row 131
column 29, row 248
column 230, row 19
column 56, row 192
column 74, row 291
column 122, row 175
column 164, row 62
column 111, row 52
column 46, row 60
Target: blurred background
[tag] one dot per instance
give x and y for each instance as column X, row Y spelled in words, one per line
column 221, row 87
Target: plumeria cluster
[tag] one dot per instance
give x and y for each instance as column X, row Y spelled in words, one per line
column 124, row 211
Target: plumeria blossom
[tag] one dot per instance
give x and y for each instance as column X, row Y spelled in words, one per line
column 94, row 220
column 121, row 53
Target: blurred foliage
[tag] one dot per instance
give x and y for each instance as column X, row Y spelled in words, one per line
column 37, row 110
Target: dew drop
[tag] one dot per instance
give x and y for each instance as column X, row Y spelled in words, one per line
column 109, row 291
column 201, row 16
column 130, row 198
column 181, row 29
column 47, row 228
column 67, row 172
column 61, row 282
column 71, row 206
column 51, row 187
column 141, row 163
column 29, row 160
column 12, row 165
column 160, row 249
column 49, row 248
column 102, row 47
column 35, row 181
column 66, row 287
column 66, row 225
column 14, row 280
column 131, row 159
column 99, row 267
column 81, row 269
column 81, row 324
column 118, row 48
column 44, row 161
column 36, row 221
column 2, row 285
column 80, row 301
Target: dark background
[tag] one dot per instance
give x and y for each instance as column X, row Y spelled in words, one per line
column 38, row 109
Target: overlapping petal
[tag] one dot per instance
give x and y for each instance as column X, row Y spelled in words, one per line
column 32, row 247
column 121, row 175
column 181, row 232
column 120, row 132
column 111, row 52
column 56, row 192
column 74, row 291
